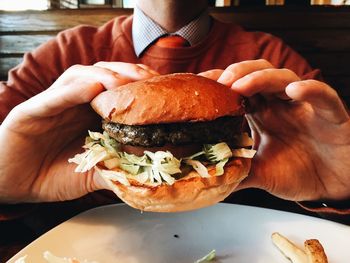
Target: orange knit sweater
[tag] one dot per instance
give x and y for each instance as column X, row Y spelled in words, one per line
column 85, row 45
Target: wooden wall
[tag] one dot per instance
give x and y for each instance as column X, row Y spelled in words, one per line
column 321, row 34
column 23, row 31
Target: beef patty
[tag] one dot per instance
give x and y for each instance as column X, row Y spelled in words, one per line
column 219, row 130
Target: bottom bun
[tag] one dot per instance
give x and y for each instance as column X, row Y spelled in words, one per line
column 190, row 192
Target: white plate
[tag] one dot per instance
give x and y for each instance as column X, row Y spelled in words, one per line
column 239, row 234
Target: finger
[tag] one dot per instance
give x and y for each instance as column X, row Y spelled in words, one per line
column 127, row 70
column 256, row 178
column 238, row 70
column 79, row 75
column 266, row 81
column 213, row 74
column 78, row 85
column 288, row 248
column 315, row 251
column 99, row 183
column 149, row 69
column 52, row 102
column 324, row 100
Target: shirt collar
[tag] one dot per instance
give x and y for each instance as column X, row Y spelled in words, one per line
column 145, row 31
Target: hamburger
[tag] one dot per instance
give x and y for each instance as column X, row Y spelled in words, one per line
column 170, row 143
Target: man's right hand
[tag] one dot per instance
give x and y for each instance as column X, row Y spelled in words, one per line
column 39, row 135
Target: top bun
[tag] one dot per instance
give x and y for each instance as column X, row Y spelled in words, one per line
column 179, row 97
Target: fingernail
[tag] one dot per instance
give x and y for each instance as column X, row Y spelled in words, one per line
column 226, row 78
column 238, row 83
column 143, row 72
column 154, row 72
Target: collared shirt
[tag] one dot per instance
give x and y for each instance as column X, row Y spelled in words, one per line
column 145, row 31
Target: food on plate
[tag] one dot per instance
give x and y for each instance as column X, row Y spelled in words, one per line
column 289, row 249
column 169, row 143
column 51, row 258
column 207, row 258
column 313, row 251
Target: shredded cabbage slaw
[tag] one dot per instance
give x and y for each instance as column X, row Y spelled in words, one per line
column 153, row 168
column 209, row 257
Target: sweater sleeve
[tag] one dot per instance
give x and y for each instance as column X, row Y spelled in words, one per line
column 339, row 212
column 41, row 67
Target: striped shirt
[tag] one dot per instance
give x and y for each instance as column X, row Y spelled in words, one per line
column 145, row 31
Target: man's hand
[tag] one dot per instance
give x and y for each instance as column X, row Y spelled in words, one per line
column 39, row 136
column 301, row 131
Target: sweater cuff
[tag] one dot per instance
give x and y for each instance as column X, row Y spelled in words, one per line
column 334, row 211
column 15, row 211
column 337, row 208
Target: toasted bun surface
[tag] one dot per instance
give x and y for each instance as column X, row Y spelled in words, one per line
column 188, row 193
column 169, row 98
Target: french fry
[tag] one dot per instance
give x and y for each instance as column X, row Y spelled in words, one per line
column 289, row 249
column 315, row 252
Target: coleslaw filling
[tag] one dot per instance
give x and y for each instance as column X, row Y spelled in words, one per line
column 153, row 168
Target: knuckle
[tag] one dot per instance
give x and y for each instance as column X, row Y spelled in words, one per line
column 99, row 64
column 265, row 62
column 233, row 66
column 143, row 66
column 75, row 67
column 236, row 69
